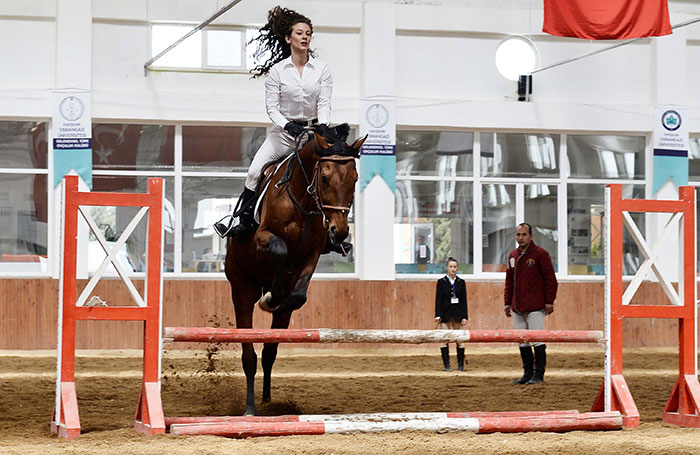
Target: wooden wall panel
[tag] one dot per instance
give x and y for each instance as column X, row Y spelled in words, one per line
column 28, row 309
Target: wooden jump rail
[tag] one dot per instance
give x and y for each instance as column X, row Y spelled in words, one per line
column 219, row 335
column 478, row 422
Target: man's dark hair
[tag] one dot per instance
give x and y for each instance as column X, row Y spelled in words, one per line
column 529, row 228
column 451, row 259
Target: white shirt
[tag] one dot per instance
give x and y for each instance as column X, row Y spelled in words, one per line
column 289, row 96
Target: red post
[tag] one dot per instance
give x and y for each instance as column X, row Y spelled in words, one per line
column 149, row 415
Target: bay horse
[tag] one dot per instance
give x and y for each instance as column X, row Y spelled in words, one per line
column 306, row 205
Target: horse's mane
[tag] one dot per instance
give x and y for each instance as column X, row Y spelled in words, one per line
column 336, row 136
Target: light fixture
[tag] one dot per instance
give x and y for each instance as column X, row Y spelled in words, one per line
column 516, row 55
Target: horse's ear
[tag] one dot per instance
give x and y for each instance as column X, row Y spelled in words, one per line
column 321, row 142
column 358, row 143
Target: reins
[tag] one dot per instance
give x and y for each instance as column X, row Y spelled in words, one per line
column 313, row 185
column 313, row 188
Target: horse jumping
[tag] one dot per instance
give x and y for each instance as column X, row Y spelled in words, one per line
column 306, row 206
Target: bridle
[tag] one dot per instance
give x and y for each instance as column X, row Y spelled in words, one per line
column 313, row 184
column 314, row 187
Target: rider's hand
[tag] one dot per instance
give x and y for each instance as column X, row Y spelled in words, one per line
column 506, row 310
column 294, row 129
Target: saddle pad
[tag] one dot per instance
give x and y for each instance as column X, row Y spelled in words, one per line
column 258, row 203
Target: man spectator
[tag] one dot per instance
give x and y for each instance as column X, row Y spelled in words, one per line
column 530, row 291
column 422, row 251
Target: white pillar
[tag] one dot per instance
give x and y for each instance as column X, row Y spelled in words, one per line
column 73, row 71
column 73, row 44
column 670, row 88
column 375, row 240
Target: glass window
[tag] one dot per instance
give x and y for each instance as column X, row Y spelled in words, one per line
column 585, row 242
column 132, row 147
column 220, row 148
column 23, row 145
column 113, row 220
column 541, row 214
column 498, row 225
column 434, row 220
column 23, row 223
column 606, row 157
column 187, row 54
column 443, row 154
column 205, row 200
column 224, row 48
column 519, row 155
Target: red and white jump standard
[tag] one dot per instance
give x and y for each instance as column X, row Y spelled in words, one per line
column 683, row 405
column 71, row 308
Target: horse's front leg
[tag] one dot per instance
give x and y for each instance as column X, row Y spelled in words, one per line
column 280, row 320
column 268, row 244
column 244, row 297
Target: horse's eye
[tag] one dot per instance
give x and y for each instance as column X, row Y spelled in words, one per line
column 324, row 179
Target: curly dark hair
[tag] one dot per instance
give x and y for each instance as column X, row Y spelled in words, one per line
column 271, row 38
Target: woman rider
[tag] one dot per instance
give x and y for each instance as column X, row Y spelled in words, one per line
column 297, row 94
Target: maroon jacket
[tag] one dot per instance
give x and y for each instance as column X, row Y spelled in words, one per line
column 530, row 280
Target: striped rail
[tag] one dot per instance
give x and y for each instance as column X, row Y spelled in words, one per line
column 219, row 335
column 477, row 422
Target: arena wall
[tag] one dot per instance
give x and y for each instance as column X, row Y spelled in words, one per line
column 32, row 305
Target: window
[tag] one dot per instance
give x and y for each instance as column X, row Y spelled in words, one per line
column 122, row 147
column 595, row 161
column 434, row 218
column 606, row 157
column 519, row 155
column 210, row 48
column 23, row 197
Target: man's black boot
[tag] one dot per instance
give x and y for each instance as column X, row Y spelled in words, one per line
column 445, row 352
column 540, row 364
column 245, row 219
column 528, row 365
column 460, row 359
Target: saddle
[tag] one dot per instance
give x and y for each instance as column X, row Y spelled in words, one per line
column 268, row 172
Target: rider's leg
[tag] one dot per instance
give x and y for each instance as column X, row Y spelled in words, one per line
column 277, row 144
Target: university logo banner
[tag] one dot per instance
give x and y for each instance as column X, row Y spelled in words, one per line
column 606, row 19
column 379, row 150
column 72, row 137
column 670, row 142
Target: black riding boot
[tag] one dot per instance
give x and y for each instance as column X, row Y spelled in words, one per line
column 460, row 359
column 540, row 364
column 445, row 351
column 528, row 365
column 245, row 219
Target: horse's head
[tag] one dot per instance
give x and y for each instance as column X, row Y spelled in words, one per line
column 335, row 176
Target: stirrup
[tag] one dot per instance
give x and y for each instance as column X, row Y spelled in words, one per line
column 222, row 228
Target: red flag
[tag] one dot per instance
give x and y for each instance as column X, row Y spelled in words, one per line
column 606, row 19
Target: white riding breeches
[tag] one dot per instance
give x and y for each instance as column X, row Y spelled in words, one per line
column 278, row 144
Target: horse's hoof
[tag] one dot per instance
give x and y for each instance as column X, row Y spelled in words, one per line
column 249, row 412
column 264, row 301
